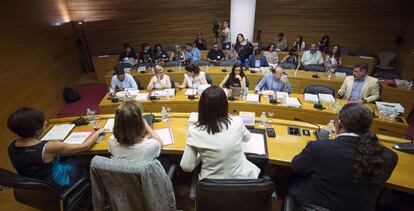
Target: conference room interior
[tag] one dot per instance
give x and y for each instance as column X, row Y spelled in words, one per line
column 50, row 45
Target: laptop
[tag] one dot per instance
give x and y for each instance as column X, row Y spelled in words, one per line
column 237, row 91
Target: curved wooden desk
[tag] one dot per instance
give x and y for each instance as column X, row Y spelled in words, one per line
column 281, row 149
column 298, row 82
column 307, row 112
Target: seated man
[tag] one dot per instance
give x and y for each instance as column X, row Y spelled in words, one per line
column 128, row 55
column 122, row 81
column 191, row 53
column 274, row 81
column 311, row 57
column 215, row 55
column 360, row 87
column 257, row 60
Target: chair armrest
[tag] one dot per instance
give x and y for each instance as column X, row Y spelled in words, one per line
column 193, row 187
column 171, row 171
column 274, row 196
column 82, row 182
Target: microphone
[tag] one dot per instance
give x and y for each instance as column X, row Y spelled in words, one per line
column 192, row 97
column 320, row 132
column 318, row 105
column 403, row 147
column 153, row 97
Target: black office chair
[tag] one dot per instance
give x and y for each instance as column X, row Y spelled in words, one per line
column 289, row 204
column 138, row 82
column 233, row 194
column 346, row 70
column 45, row 195
column 314, row 68
column 209, row 80
column 319, row 89
column 288, row 66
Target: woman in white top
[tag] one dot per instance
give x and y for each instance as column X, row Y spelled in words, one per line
column 129, row 139
column 216, row 140
column 299, row 44
column 159, row 80
column 333, row 59
column 271, row 55
column 193, row 78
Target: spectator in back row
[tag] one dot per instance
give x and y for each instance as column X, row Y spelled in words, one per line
column 191, row 53
column 299, row 44
column 311, row 57
column 215, row 55
column 281, row 43
column 226, row 36
column 257, row 60
column 333, row 59
column 271, row 55
column 128, row 55
column 122, row 81
column 243, row 48
column 177, row 54
column 200, row 43
column 323, row 45
column 146, row 56
column 160, row 56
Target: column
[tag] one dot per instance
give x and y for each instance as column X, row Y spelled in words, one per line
column 242, row 14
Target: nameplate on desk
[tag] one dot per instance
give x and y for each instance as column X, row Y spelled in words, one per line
column 326, row 98
column 253, row 98
column 293, row 102
column 190, row 92
column 142, row 97
column 311, row 98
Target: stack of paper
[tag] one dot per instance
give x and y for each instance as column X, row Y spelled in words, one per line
column 191, row 92
column 268, row 92
column 58, row 132
column 120, row 94
column 203, row 87
column 159, row 93
column 166, row 135
column 281, row 95
column 389, row 107
column 109, row 125
column 193, row 117
column 293, row 102
column 247, row 118
column 255, row 145
column 169, row 92
column 326, row 98
column 311, row 98
column 253, row 98
column 78, row 137
column 142, row 97
column 340, row 75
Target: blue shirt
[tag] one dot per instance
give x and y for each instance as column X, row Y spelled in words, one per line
column 356, row 89
column 127, row 84
column 194, row 55
column 268, row 82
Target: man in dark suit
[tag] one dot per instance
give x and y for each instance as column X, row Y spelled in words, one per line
column 346, row 173
column 257, row 60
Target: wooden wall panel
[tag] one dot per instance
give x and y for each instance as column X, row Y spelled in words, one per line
column 37, row 58
column 407, row 51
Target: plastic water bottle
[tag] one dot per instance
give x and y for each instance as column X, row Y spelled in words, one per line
column 331, row 128
column 164, row 114
column 262, row 121
column 90, row 114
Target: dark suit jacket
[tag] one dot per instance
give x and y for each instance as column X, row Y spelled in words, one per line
column 324, row 171
column 252, row 61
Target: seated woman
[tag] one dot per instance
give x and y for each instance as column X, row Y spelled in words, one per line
column 146, row 55
column 38, row 159
column 132, row 138
column 236, row 78
column 333, row 60
column 159, row 80
column 347, row 173
column 271, row 55
column 160, row 56
column 299, row 44
column 323, row 45
column 193, row 78
column 290, row 61
column 216, row 140
column 177, row 54
column 232, row 54
column 200, row 42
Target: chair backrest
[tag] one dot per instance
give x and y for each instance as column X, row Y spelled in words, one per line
column 234, row 194
column 228, row 63
column 112, row 180
column 386, row 57
column 138, row 82
column 201, row 63
column 318, row 89
column 315, row 68
column 172, row 63
column 209, row 80
column 32, row 192
column 288, row 66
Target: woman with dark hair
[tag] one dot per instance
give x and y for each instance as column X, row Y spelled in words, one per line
column 291, row 58
column 128, row 55
column 347, row 173
column 271, row 55
column 200, row 42
column 281, row 42
column 38, row 159
column 243, row 48
column 193, row 78
column 160, row 56
column 235, row 78
column 323, row 45
column 177, row 54
column 333, row 60
column 146, row 56
column 216, row 140
column 299, row 44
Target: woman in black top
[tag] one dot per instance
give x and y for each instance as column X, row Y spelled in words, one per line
column 128, row 55
column 160, row 56
column 200, row 43
column 235, row 78
column 347, row 173
column 146, row 56
column 38, row 159
column 323, row 45
column 243, row 48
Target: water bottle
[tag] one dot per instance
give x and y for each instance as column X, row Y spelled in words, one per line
column 329, row 75
column 284, row 99
column 262, row 121
column 164, row 114
column 90, row 115
column 331, row 128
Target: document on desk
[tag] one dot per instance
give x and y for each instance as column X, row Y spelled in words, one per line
column 280, row 95
column 169, row 92
column 166, row 135
column 142, row 97
column 326, row 98
column 109, row 125
column 256, row 144
column 311, row 98
column 191, row 92
column 58, row 132
column 78, row 137
column 293, row 102
column 159, row 93
column 268, row 92
column 253, row 98
column 247, row 118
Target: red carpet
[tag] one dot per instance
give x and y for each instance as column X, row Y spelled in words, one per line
column 91, row 96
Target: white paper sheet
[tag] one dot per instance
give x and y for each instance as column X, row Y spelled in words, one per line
column 326, row 98
column 247, row 118
column 191, row 92
column 340, row 75
column 311, row 98
column 252, row 98
column 142, row 97
column 203, row 87
column 268, row 92
column 255, row 145
column 166, row 135
column 58, row 132
column 109, row 125
column 77, row 137
column 293, row 102
column 281, row 95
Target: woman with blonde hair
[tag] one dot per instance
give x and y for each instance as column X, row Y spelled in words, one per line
column 159, row 80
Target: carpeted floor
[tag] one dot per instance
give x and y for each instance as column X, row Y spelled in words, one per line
column 91, row 96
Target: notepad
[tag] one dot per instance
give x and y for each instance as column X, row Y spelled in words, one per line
column 256, row 144
column 203, row 87
column 190, row 92
column 252, row 98
column 268, row 92
column 58, row 132
column 78, row 137
column 293, row 102
column 193, row 117
column 280, row 95
column 311, row 98
column 166, row 135
column 247, row 118
column 326, row 98
column 109, row 125
column 142, row 97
